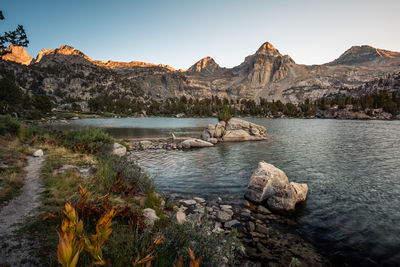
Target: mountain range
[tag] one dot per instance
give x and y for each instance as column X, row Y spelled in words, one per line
column 67, row 74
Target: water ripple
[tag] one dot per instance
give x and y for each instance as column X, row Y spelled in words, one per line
column 352, row 169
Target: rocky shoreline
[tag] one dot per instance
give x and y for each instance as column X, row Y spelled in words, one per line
column 266, row 235
column 265, row 229
column 266, row 239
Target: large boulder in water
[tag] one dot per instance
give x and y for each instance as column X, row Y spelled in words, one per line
column 234, row 130
column 240, row 130
column 270, row 185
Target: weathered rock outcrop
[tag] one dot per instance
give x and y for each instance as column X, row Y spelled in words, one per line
column 270, row 185
column 233, row 130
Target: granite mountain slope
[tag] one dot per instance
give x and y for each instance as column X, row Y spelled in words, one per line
column 66, row 73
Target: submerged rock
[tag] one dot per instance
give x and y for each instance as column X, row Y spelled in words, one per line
column 270, row 185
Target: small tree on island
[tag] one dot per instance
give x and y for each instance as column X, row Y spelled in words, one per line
column 224, row 114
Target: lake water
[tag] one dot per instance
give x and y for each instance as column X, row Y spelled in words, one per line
column 352, row 169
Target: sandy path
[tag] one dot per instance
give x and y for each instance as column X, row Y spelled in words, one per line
column 15, row 252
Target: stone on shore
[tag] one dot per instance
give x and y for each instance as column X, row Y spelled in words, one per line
column 199, row 199
column 150, row 216
column 145, row 144
column 270, row 185
column 229, row 224
column 118, row 149
column 38, row 153
column 223, row 216
column 180, row 217
column 188, row 202
column 195, row 143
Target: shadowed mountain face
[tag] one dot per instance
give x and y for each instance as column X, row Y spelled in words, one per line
column 66, row 72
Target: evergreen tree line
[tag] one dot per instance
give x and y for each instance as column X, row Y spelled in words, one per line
column 207, row 107
column 388, row 102
column 16, row 102
column 34, row 104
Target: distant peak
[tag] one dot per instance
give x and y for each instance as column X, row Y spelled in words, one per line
column 206, row 64
column 68, row 50
column 363, row 54
column 267, row 48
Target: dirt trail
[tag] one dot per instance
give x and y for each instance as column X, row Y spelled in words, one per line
column 12, row 251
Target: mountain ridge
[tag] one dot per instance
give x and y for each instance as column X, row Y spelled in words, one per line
column 265, row 74
column 363, row 55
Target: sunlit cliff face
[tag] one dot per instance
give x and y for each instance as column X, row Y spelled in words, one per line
column 18, row 54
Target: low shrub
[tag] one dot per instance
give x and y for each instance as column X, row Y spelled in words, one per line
column 224, row 114
column 212, row 247
column 90, row 140
column 8, row 125
column 121, row 176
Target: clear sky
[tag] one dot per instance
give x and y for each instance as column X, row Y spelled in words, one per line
column 180, row 32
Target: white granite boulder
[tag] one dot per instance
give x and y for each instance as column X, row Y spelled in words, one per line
column 38, row 153
column 150, row 216
column 118, row 149
column 180, row 217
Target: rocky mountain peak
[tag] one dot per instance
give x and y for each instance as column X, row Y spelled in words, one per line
column 205, row 65
column 364, row 55
column 18, row 54
column 65, row 50
column 268, row 49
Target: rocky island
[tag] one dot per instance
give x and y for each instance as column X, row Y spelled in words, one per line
column 234, row 130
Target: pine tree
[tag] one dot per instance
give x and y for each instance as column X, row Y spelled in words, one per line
column 16, row 37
